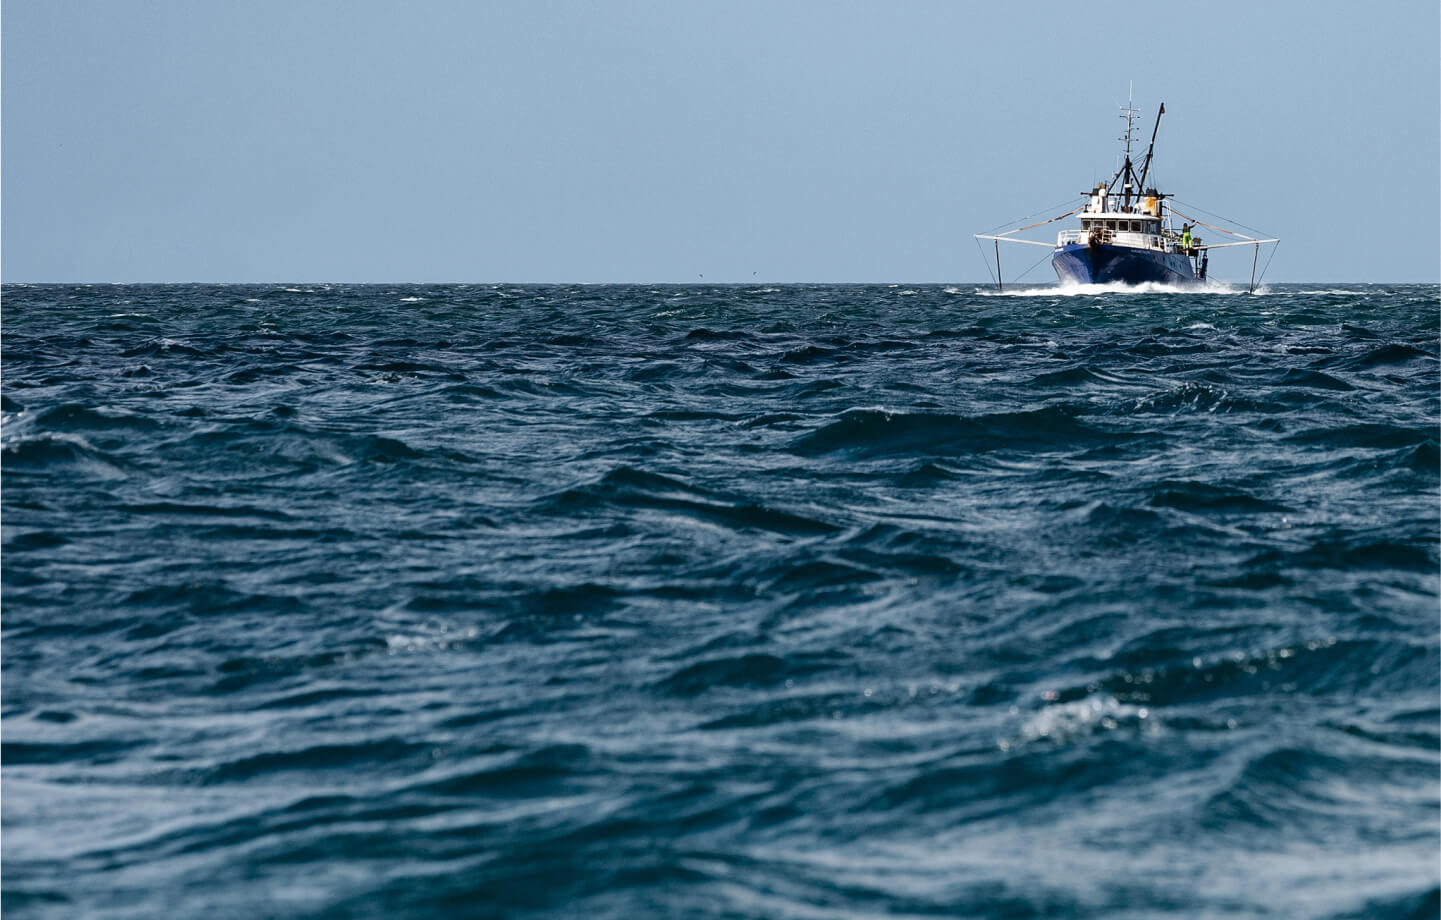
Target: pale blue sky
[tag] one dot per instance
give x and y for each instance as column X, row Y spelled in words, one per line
column 298, row 140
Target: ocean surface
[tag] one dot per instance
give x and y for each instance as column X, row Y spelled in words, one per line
column 797, row 601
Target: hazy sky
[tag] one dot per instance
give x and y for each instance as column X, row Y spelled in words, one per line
column 418, row 140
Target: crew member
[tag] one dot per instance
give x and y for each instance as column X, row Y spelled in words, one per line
column 1186, row 236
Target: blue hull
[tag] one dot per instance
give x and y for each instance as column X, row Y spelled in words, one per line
column 1086, row 264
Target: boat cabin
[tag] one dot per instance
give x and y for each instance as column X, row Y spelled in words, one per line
column 1128, row 218
column 1122, row 223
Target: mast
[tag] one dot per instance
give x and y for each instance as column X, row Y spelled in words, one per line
column 1129, row 113
column 1146, row 167
column 1127, row 172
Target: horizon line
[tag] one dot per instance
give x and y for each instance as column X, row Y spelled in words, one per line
column 697, row 282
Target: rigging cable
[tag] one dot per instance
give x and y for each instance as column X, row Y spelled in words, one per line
column 1198, row 220
column 1218, row 217
column 1049, row 220
column 1032, row 268
column 1029, row 216
column 1059, row 217
column 1003, row 238
column 982, row 251
column 1274, row 243
column 1268, row 262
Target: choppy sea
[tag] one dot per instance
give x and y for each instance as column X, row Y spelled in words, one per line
column 798, row 601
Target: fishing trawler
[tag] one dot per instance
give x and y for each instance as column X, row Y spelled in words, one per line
column 1128, row 233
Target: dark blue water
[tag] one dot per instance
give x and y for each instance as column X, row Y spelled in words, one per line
column 808, row 601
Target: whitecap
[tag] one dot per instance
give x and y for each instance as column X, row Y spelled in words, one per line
column 1064, row 721
column 1074, row 289
column 430, row 639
